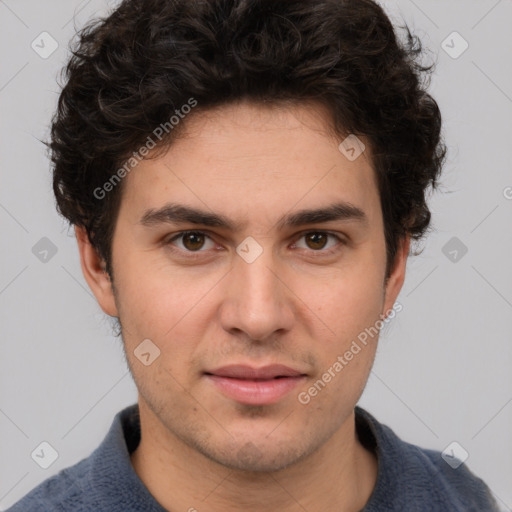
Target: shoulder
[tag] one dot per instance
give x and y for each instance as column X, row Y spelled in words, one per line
column 105, row 480
column 456, row 486
column 470, row 489
column 62, row 492
column 409, row 474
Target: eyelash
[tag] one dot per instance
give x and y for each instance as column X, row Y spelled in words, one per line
column 198, row 253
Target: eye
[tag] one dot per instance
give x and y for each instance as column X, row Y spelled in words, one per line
column 318, row 241
column 192, row 241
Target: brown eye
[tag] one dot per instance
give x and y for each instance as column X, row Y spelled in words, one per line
column 320, row 241
column 193, row 241
column 316, row 240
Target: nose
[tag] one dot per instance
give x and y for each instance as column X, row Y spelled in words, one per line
column 257, row 303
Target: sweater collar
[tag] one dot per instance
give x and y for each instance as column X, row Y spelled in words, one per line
column 112, row 469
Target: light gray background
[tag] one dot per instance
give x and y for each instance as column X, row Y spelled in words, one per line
column 443, row 367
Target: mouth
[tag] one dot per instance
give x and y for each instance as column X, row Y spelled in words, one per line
column 255, row 386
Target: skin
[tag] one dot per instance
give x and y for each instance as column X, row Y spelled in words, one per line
column 295, row 305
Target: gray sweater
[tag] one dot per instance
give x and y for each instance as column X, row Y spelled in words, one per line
column 410, row 479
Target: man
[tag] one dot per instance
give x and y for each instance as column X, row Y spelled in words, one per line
column 245, row 179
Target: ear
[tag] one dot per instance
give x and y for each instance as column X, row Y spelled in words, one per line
column 93, row 268
column 397, row 276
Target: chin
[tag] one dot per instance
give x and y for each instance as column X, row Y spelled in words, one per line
column 254, row 457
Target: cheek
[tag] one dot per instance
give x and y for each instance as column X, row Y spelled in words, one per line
column 346, row 315
column 164, row 312
column 146, row 296
column 162, row 304
column 344, row 301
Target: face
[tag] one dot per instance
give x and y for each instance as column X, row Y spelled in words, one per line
column 259, row 280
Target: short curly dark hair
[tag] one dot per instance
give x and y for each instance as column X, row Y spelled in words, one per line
column 130, row 71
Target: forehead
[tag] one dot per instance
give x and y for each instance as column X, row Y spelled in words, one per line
column 250, row 160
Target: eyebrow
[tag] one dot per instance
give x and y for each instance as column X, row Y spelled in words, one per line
column 180, row 214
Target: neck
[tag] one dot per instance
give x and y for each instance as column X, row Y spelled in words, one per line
column 340, row 475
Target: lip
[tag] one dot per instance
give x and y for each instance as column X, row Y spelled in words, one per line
column 255, row 386
column 242, row 371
